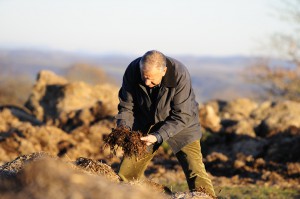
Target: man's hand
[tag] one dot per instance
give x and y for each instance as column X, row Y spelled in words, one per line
column 149, row 139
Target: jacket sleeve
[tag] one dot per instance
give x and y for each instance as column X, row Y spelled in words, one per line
column 181, row 113
column 125, row 106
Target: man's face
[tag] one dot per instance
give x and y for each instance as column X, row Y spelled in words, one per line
column 152, row 75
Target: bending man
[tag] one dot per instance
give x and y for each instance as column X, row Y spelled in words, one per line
column 157, row 90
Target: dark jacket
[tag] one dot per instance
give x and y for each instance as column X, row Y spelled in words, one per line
column 175, row 110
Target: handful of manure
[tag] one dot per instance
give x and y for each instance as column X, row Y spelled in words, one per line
column 129, row 141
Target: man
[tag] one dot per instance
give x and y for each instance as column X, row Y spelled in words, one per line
column 157, row 91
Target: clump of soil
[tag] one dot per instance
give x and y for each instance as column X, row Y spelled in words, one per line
column 129, row 141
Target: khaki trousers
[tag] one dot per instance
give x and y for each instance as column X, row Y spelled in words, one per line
column 190, row 158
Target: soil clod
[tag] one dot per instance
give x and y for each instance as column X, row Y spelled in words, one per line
column 129, row 141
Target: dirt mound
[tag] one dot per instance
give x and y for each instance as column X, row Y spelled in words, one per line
column 209, row 118
column 255, row 145
column 50, row 178
column 252, row 159
column 31, row 169
column 97, row 168
column 14, row 167
column 68, row 105
column 22, row 114
column 18, row 138
column 277, row 118
column 243, row 116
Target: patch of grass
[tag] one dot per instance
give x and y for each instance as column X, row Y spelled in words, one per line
column 177, row 187
column 205, row 135
column 243, row 192
column 256, row 192
column 166, row 148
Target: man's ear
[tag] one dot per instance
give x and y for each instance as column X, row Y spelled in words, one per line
column 164, row 71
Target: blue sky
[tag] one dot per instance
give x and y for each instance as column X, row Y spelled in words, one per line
column 196, row 27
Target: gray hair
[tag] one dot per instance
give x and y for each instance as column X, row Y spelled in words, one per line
column 153, row 58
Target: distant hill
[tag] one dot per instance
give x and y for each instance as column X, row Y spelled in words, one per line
column 212, row 77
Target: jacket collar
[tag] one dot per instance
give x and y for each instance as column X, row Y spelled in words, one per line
column 169, row 79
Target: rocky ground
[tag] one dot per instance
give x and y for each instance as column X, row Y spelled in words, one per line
column 244, row 143
column 253, row 143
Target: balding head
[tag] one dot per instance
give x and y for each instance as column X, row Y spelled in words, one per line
column 153, row 68
column 152, row 59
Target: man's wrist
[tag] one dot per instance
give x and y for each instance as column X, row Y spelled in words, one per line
column 158, row 137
